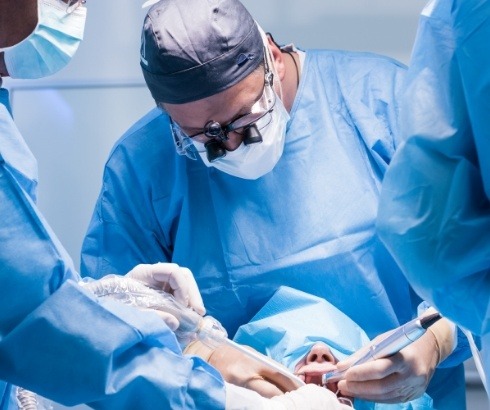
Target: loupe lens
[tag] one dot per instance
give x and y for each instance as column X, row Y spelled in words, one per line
column 252, row 135
column 213, row 129
column 214, row 150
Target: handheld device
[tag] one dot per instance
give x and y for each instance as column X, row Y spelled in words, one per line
column 393, row 342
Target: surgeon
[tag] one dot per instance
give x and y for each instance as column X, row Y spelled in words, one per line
column 434, row 213
column 260, row 167
column 56, row 338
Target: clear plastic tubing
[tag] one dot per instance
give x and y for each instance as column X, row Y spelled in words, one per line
column 265, row 360
column 192, row 326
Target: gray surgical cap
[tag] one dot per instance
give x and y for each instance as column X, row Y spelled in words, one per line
column 192, row 49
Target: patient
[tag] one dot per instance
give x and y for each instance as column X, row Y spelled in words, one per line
column 318, row 361
column 309, row 336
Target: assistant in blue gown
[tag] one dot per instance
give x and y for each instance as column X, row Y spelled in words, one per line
column 435, row 206
column 308, row 224
column 58, row 340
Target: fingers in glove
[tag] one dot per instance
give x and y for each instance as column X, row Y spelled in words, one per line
column 349, row 361
column 283, row 382
column 263, row 387
column 269, row 374
column 171, row 278
column 383, row 380
column 182, row 284
column 241, row 370
column 382, row 391
column 143, row 274
column 376, row 369
column 170, row 320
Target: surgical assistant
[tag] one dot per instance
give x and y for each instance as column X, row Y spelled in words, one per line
column 66, row 353
column 434, row 211
column 56, row 338
column 303, row 217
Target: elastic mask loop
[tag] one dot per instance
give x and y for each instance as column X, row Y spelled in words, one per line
column 72, row 5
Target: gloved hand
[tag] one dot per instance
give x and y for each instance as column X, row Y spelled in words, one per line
column 173, row 279
column 168, row 277
column 403, row 376
column 309, row 397
column 242, row 370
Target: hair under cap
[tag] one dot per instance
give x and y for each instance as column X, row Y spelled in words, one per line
column 192, row 49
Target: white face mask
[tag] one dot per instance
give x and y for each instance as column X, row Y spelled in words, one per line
column 52, row 44
column 255, row 160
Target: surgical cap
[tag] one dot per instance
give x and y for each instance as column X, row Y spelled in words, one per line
column 197, row 48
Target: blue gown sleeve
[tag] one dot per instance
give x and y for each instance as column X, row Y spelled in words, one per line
column 372, row 87
column 472, row 32
column 59, row 341
column 434, row 213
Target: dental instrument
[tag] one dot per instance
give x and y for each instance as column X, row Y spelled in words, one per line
column 389, row 345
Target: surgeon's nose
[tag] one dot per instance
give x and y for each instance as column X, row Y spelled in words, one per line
column 320, row 354
column 233, row 142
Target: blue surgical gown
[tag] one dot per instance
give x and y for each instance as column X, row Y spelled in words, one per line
column 435, row 205
column 58, row 340
column 308, row 224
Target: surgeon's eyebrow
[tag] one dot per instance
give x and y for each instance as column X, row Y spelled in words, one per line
column 245, row 110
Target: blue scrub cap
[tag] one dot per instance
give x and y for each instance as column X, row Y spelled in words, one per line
column 193, row 49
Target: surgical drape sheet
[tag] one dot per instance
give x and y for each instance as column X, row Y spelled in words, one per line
column 291, row 322
column 435, row 210
column 308, row 224
column 58, row 340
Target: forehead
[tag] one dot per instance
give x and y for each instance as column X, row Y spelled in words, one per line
column 221, row 107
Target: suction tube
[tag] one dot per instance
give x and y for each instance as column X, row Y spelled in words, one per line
column 192, row 326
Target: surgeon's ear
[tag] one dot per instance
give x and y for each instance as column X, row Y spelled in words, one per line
column 277, row 56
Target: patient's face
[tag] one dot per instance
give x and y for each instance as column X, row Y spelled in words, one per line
column 318, row 361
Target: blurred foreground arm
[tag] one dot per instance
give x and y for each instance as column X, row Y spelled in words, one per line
column 309, row 397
